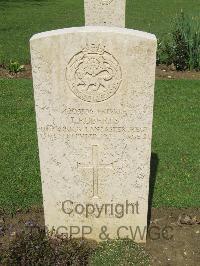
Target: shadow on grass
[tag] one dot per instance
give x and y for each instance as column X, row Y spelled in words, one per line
column 152, row 180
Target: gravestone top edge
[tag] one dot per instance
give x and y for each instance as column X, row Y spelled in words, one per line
column 90, row 29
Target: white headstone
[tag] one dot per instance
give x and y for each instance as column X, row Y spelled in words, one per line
column 94, row 91
column 105, row 13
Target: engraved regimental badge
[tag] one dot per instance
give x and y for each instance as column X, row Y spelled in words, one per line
column 93, row 74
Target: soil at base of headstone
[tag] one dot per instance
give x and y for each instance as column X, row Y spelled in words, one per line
column 173, row 238
column 162, row 72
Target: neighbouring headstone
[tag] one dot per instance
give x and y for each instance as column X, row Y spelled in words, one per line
column 94, row 91
column 105, row 13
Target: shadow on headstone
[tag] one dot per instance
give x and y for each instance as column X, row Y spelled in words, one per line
column 152, row 180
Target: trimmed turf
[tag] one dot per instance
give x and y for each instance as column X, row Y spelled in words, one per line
column 120, row 252
column 20, row 184
column 175, row 143
column 20, row 19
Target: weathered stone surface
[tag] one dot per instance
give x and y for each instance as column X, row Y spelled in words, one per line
column 94, row 91
column 105, row 12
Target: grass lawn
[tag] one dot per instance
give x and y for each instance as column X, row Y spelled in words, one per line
column 20, row 19
column 175, row 141
column 19, row 165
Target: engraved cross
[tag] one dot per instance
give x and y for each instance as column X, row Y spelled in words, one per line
column 95, row 166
